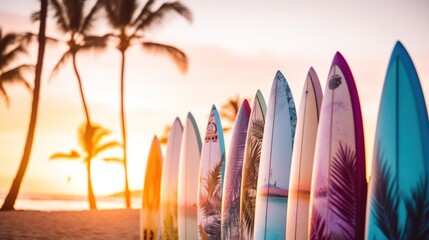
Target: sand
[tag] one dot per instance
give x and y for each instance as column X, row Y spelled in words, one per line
column 81, row 225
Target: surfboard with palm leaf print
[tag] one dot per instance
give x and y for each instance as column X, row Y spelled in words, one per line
column 150, row 211
column 338, row 191
column 398, row 202
column 230, row 221
column 252, row 156
column 211, row 177
column 276, row 157
column 303, row 157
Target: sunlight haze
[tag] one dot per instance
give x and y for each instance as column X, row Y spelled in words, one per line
column 234, row 47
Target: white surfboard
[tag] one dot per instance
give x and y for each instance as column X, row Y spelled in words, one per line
column 276, row 157
column 169, row 183
column 188, row 180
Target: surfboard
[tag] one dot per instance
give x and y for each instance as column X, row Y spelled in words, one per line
column 150, row 211
column 169, row 182
column 398, row 202
column 212, row 171
column 302, row 158
column 252, row 155
column 189, row 164
column 276, row 157
column 230, row 221
column 338, row 191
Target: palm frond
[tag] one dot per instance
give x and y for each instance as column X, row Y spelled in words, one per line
column 72, row 155
column 95, row 43
column 105, row 146
column 11, row 56
column 175, row 54
column 211, row 202
column 318, row 226
column 64, row 58
column 99, row 132
column 202, row 232
column 89, row 20
column 120, row 12
column 213, row 230
column 417, row 225
column 157, row 17
column 35, row 16
column 343, row 191
column 114, row 160
column 385, row 200
column 144, row 13
column 250, row 175
column 15, row 75
column 8, row 41
column 4, row 95
column 61, row 20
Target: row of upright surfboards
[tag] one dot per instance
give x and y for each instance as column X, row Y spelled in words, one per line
column 298, row 176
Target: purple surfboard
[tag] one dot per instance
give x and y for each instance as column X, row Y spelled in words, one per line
column 230, row 221
column 338, row 192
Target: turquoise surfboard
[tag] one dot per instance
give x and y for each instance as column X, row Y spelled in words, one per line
column 398, row 202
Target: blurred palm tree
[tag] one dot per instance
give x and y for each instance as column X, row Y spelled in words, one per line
column 164, row 136
column 90, row 141
column 10, row 199
column 130, row 28
column 229, row 111
column 11, row 47
column 76, row 24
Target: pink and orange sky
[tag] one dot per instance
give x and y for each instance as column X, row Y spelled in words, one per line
column 234, row 47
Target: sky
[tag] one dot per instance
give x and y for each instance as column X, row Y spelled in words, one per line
column 234, row 47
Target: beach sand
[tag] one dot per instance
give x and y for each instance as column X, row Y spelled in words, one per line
column 81, row 225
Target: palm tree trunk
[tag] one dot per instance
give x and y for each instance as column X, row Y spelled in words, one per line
column 82, row 95
column 14, row 189
column 91, row 196
column 124, row 132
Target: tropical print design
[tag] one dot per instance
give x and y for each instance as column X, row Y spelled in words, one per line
column 232, row 189
column 252, row 155
column 342, row 192
column 338, row 191
column 276, row 158
column 150, row 212
column 211, row 180
column 398, row 202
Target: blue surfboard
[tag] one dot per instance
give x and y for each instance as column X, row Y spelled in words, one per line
column 398, row 201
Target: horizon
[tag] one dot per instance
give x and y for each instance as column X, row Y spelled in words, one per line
column 284, row 35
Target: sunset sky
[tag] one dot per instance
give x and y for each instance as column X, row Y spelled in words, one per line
column 234, row 47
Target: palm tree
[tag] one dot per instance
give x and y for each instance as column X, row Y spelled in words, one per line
column 164, row 137
column 11, row 46
column 90, row 142
column 75, row 25
column 14, row 189
column 130, row 28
